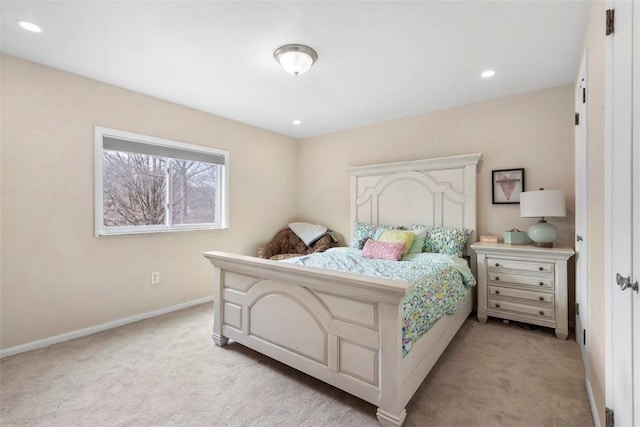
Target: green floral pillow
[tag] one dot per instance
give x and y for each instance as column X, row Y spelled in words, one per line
column 448, row 241
column 363, row 231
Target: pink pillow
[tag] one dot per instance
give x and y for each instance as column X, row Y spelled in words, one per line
column 383, row 250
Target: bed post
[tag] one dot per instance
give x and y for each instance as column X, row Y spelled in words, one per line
column 218, row 311
column 353, row 208
column 390, row 412
column 470, row 220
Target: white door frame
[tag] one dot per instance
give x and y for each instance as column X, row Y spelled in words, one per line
column 622, row 388
column 636, row 207
column 581, row 212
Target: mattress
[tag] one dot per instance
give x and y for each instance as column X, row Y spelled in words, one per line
column 440, row 283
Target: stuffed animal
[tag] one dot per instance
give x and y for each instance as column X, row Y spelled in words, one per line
column 286, row 244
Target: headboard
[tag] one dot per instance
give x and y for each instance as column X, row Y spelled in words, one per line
column 432, row 192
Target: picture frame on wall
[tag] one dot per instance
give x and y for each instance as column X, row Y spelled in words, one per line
column 507, row 184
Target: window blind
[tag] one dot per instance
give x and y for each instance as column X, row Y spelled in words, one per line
column 129, row 146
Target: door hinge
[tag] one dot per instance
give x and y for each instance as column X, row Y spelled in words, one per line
column 584, row 95
column 577, row 121
column 584, row 337
column 611, row 15
column 608, row 414
column 577, row 309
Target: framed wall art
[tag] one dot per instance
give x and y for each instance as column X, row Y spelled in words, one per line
column 507, row 184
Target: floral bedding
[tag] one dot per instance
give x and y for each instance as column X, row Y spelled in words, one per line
column 440, row 283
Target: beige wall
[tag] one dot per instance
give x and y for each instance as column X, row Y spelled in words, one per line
column 532, row 131
column 595, row 43
column 56, row 277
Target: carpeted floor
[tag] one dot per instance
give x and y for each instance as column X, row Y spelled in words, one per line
column 167, row 372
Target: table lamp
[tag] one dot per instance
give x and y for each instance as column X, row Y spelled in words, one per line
column 542, row 203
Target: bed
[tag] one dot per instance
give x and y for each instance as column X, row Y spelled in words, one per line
column 341, row 327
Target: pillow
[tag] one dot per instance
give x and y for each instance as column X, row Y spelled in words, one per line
column 379, row 233
column 417, row 227
column 363, row 230
column 362, row 242
column 418, row 242
column 448, row 241
column 404, row 237
column 383, row 250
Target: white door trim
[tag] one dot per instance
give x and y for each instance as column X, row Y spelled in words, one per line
column 582, row 210
column 618, row 150
column 636, row 205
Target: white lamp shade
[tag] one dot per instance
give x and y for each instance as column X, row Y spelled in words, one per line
column 542, row 203
column 296, row 62
column 296, row 59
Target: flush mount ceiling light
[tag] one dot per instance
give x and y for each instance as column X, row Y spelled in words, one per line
column 488, row 73
column 29, row 26
column 295, row 58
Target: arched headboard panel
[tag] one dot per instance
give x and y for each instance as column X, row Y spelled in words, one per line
column 431, row 192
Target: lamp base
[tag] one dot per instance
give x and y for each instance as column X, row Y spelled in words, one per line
column 543, row 245
column 543, row 234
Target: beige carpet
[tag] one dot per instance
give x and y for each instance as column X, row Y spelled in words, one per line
column 166, row 371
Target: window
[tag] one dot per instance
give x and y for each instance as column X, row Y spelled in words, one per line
column 145, row 184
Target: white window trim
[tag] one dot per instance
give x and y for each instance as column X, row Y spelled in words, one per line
column 223, row 177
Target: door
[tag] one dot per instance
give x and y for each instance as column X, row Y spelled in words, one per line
column 581, row 184
column 622, row 211
column 636, row 210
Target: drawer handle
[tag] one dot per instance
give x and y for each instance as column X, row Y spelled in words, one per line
column 497, row 292
column 541, row 268
column 497, row 305
column 541, row 283
column 541, row 298
column 541, row 313
column 497, row 264
column 497, row 278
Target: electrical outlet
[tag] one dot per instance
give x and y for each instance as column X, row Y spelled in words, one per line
column 155, row 277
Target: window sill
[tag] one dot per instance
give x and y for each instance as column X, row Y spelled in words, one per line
column 104, row 233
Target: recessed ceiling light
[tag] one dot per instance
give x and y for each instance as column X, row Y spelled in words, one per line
column 29, row 26
column 297, row 122
column 488, row 73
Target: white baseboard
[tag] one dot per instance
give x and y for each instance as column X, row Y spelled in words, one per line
column 592, row 404
column 99, row 328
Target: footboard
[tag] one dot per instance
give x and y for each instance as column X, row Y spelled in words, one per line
column 341, row 328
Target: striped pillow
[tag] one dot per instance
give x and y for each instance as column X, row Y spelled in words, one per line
column 383, row 250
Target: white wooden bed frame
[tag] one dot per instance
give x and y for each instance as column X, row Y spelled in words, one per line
column 343, row 328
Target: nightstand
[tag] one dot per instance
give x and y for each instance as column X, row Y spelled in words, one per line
column 523, row 283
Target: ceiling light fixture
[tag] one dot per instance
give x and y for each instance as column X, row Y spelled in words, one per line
column 297, row 122
column 295, row 58
column 29, row 26
column 488, row 73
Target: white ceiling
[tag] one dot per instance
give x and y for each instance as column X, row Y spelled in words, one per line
column 377, row 61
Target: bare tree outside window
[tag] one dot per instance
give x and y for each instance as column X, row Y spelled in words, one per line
column 194, row 192
column 134, row 189
column 146, row 184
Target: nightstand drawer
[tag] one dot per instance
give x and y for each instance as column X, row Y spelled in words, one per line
column 495, row 292
column 540, row 282
column 524, row 266
column 529, row 310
